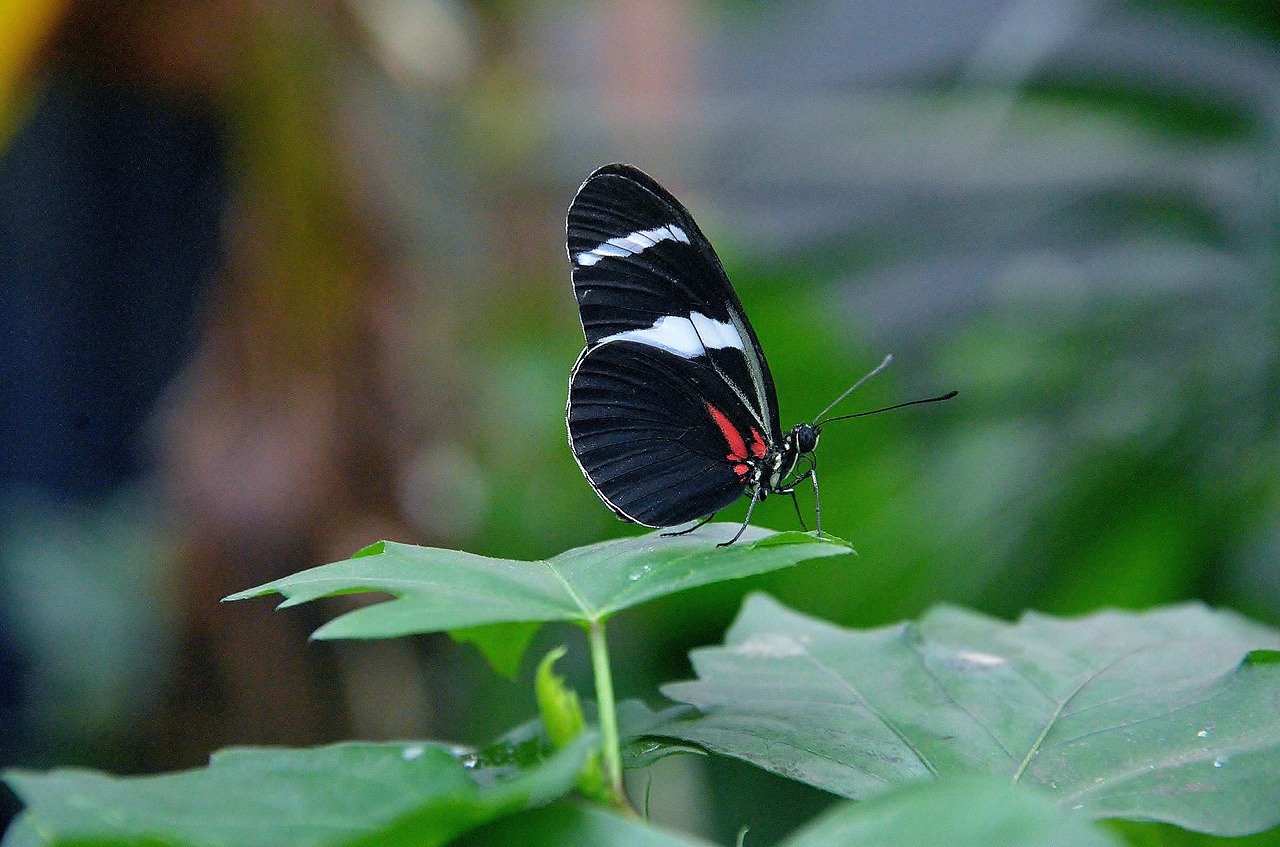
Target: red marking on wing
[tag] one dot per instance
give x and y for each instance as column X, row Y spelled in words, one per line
column 758, row 447
column 737, row 447
column 741, row 470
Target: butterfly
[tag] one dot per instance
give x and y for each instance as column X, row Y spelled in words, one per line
column 672, row 412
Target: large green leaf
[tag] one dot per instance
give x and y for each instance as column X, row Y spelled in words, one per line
column 417, row 794
column 965, row 812
column 962, row 812
column 1169, row 715
column 568, row 826
column 436, row 590
column 22, row 833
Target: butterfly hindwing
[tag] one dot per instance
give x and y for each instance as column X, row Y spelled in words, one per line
column 659, row 437
column 644, row 272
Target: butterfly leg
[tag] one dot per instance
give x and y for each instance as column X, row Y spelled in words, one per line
column 755, row 498
column 811, row 474
column 795, row 501
column 698, row 525
column 817, row 504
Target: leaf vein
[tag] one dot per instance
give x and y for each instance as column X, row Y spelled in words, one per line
column 569, row 588
column 924, row 665
column 1052, row 722
column 889, row 725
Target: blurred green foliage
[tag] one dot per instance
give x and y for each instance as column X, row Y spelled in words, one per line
column 1087, row 250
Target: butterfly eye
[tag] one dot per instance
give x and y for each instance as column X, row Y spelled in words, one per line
column 806, row 438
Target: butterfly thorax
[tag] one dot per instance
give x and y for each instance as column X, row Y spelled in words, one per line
column 770, row 473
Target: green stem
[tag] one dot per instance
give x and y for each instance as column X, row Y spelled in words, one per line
column 611, row 749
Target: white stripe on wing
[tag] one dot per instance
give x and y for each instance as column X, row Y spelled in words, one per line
column 686, row 337
column 629, row 245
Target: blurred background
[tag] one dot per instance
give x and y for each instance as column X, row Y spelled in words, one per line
column 284, row 277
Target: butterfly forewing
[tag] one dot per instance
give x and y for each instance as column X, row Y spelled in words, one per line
column 643, row 271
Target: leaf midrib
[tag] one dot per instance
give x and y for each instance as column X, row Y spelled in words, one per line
column 1089, row 679
column 853, row 690
column 582, row 606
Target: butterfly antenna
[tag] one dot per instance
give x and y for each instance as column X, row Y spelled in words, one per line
column 940, row 397
column 887, row 359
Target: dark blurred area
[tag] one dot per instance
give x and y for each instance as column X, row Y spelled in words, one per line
column 282, row 278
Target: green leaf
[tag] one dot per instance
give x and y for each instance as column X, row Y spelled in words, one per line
column 1153, row 834
column 557, row 703
column 437, row 590
column 564, row 825
column 963, row 812
column 345, row 794
column 1148, row 716
column 502, row 644
column 567, row 824
column 22, row 833
column 641, row 748
column 562, row 717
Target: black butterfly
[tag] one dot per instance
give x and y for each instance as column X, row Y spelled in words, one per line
column 672, row 412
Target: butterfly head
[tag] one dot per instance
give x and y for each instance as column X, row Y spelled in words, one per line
column 805, row 438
